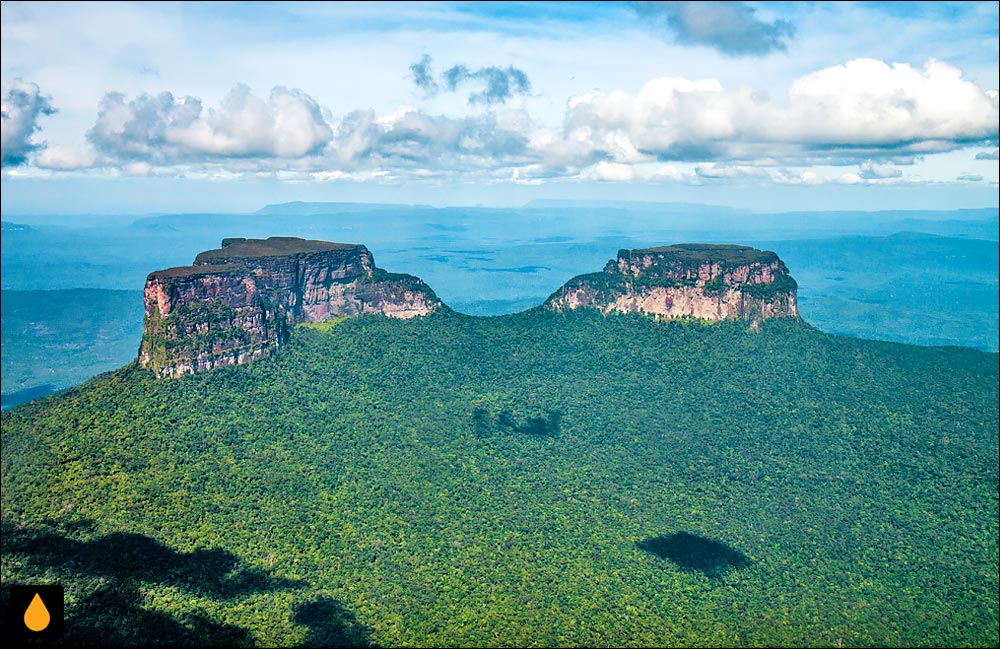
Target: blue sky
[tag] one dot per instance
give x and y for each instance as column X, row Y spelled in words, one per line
column 124, row 107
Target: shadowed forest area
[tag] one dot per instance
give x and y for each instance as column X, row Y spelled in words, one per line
column 110, row 580
column 696, row 553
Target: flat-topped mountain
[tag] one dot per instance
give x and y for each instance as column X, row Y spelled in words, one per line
column 236, row 303
column 708, row 281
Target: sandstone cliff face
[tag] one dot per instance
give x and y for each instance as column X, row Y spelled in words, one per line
column 713, row 282
column 237, row 303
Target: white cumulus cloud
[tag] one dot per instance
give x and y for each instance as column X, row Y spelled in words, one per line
column 21, row 105
column 870, row 102
column 608, row 171
column 843, row 113
column 872, row 170
column 62, row 157
column 162, row 129
column 413, row 139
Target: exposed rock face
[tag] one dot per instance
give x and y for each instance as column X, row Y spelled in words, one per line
column 714, row 282
column 237, row 303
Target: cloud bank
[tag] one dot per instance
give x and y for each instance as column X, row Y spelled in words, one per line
column 22, row 105
column 865, row 114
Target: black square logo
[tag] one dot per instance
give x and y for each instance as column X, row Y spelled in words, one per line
column 36, row 612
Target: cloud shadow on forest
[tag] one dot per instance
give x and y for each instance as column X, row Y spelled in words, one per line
column 116, row 570
column 331, row 625
column 485, row 424
column 693, row 553
column 211, row 572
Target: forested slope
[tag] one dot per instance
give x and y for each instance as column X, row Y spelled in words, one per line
column 536, row 479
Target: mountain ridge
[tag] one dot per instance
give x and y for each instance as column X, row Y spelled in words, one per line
column 235, row 304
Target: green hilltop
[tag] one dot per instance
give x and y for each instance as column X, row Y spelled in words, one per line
column 241, row 248
column 724, row 254
column 541, row 479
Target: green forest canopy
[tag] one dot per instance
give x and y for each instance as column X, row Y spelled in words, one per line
column 538, row 479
